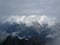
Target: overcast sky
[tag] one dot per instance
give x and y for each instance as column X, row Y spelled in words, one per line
column 30, row 7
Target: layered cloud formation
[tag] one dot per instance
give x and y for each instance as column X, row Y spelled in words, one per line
column 29, row 20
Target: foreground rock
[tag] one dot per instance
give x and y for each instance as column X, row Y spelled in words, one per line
column 16, row 41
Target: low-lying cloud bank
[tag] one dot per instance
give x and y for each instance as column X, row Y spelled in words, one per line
column 27, row 26
column 29, row 20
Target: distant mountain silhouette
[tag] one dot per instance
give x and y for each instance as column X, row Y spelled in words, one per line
column 35, row 40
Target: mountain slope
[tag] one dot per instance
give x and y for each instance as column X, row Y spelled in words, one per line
column 35, row 40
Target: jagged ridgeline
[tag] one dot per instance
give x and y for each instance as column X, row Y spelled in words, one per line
column 28, row 30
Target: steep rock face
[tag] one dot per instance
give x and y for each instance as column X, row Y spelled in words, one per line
column 28, row 33
column 36, row 40
column 13, row 41
column 16, row 41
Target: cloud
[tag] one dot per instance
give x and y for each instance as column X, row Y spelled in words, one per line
column 29, row 20
column 33, row 20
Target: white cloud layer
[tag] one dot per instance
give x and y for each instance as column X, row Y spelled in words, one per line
column 29, row 20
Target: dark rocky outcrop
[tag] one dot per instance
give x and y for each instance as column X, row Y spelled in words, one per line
column 35, row 40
